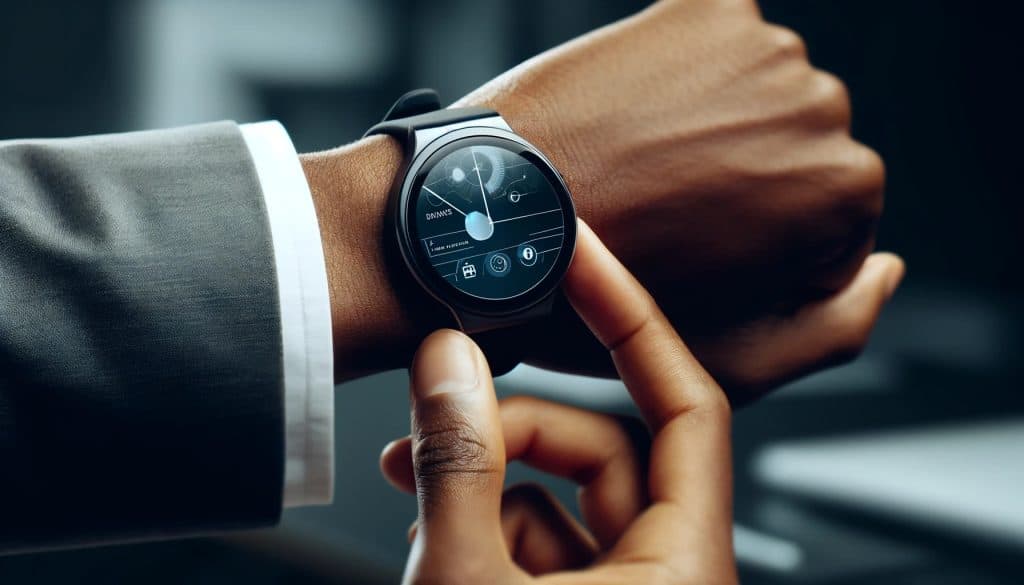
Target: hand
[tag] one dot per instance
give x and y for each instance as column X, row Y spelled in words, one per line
column 717, row 164
column 713, row 160
column 667, row 522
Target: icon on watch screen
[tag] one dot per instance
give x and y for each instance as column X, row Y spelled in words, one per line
column 527, row 255
column 498, row 264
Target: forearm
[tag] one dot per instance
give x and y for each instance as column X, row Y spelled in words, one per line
column 350, row 188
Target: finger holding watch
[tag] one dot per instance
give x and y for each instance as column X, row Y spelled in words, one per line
column 669, row 516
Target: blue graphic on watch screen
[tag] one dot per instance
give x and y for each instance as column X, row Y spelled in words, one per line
column 488, row 221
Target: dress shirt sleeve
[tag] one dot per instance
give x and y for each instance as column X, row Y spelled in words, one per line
column 305, row 316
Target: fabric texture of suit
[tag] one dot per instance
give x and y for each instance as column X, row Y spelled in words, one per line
column 140, row 349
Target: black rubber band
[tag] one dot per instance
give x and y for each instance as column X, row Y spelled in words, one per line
column 421, row 109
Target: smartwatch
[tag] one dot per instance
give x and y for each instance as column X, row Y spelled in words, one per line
column 478, row 216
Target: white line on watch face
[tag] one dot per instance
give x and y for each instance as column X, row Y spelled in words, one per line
column 487, row 220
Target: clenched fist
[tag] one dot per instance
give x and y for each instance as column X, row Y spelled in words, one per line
column 711, row 158
column 717, row 164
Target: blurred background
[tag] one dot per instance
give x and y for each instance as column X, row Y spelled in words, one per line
column 904, row 467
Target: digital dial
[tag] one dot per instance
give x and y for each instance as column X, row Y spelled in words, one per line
column 488, row 220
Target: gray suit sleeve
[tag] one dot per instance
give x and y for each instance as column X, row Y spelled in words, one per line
column 140, row 352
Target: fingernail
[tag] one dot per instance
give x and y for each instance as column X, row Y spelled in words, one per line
column 445, row 363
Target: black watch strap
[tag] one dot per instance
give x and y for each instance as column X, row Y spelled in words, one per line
column 419, row 109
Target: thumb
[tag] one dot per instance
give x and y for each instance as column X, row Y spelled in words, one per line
column 819, row 335
column 458, row 456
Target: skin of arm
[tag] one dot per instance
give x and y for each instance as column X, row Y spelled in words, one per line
column 709, row 155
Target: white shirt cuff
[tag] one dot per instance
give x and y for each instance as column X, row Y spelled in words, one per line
column 305, row 316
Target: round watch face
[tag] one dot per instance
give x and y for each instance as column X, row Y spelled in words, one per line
column 488, row 217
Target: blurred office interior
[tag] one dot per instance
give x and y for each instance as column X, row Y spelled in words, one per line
column 904, row 467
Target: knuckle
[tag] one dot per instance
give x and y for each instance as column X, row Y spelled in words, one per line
column 830, row 95
column 868, row 167
column 786, row 41
column 716, row 408
column 830, row 87
column 865, row 179
column 703, row 400
column 450, row 449
column 855, row 179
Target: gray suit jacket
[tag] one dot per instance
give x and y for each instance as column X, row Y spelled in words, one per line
column 140, row 350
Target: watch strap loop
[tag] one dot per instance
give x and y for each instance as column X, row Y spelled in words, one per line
column 419, row 109
column 413, row 103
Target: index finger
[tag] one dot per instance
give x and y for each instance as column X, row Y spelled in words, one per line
column 662, row 375
column 690, row 479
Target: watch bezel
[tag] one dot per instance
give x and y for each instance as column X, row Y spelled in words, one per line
column 458, row 300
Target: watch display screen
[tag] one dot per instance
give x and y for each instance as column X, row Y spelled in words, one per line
column 488, row 218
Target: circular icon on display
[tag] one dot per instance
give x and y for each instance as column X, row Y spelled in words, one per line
column 487, row 169
column 527, row 255
column 498, row 264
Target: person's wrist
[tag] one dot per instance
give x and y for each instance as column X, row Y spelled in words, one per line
column 350, row 187
column 523, row 99
column 372, row 321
